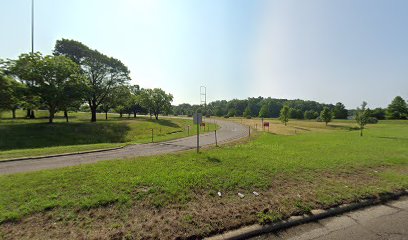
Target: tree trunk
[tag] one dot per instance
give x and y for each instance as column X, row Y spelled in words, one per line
column 361, row 132
column 28, row 113
column 156, row 116
column 51, row 117
column 134, row 114
column 32, row 114
column 120, row 114
column 66, row 115
column 93, row 118
column 14, row 113
column 326, row 124
column 106, row 115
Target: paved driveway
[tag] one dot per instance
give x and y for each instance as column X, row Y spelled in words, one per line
column 228, row 131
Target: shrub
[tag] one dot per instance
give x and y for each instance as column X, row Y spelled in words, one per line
column 372, row 120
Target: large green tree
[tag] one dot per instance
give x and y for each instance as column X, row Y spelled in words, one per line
column 156, row 101
column 264, row 111
column 247, row 112
column 340, row 111
column 397, row 109
column 133, row 105
column 102, row 73
column 53, row 79
column 11, row 93
column 26, row 72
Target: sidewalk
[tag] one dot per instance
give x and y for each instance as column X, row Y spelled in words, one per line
column 386, row 221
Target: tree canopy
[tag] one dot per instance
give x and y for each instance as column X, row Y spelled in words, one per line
column 326, row 115
column 397, row 109
column 156, row 101
column 102, row 73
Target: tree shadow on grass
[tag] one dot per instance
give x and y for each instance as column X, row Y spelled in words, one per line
column 213, row 160
column 165, row 122
column 39, row 135
column 395, row 138
column 344, row 127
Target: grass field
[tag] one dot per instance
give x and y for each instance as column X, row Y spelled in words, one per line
column 176, row 195
column 296, row 126
column 24, row 137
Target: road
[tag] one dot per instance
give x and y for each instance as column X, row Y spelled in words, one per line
column 228, row 131
column 386, row 221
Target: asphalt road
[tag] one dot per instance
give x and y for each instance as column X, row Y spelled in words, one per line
column 229, row 131
column 386, row 221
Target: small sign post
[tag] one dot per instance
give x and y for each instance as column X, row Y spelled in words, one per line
column 266, row 124
column 198, row 119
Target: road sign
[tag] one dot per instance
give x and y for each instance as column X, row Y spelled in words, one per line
column 197, row 118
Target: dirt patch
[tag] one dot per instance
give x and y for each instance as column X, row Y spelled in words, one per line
column 204, row 215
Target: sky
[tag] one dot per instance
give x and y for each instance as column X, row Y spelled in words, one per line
column 345, row 51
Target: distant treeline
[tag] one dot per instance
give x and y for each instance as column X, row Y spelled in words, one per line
column 298, row 109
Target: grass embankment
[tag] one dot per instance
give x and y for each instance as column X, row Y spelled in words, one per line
column 27, row 138
column 176, row 195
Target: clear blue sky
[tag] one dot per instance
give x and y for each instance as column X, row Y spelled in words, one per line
column 329, row 51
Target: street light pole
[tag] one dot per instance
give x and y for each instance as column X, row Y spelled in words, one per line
column 32, row 26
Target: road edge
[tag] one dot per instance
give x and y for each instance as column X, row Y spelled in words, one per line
column 62, row 154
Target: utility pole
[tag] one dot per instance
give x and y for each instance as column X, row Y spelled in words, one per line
column 32, row 26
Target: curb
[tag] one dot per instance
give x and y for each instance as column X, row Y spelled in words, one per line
column 61, row 155
column 316, row 214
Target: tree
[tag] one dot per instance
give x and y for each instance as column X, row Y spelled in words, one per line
column 247, row 112
column 156, row 101
column 378, row 113
column 133, row 104
column 326, row 115
column 53, row 77
column 263, row 113
column 310, row 114
column 11, row 93
column 295, row 113
column 397, row 109
column 362, row 117
column 102, row 73
column 26, row 71
column 284, row 114
column 340, row 111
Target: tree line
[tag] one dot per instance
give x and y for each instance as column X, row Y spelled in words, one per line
column 73, row 77
column 294, row 109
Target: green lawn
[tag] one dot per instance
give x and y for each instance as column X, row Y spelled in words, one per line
column 292, row 173
column 25, row 138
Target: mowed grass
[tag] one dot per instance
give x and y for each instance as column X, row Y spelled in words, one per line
column 295, row 126
column 325, row 161
column 26, row 137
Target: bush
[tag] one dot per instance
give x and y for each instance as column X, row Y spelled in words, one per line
column 372, row 120
column 226, row 116
column 248, row 117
